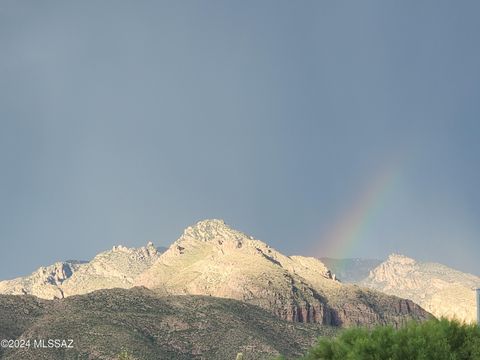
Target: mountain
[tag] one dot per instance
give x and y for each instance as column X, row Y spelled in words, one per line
column 437, row 288
column 105, row 323
column 116, row 268
column 350, row 270
column 46, row 282
column 110, row 269
column 210, row 258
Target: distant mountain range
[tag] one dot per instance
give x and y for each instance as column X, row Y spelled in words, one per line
column 212, row 259
column 351, row 271
column 439, row 289
column 443, row 291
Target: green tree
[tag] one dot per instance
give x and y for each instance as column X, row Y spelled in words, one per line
column 430, row 340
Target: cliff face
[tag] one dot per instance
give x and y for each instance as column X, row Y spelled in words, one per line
column 212, row 259
column 437, row 288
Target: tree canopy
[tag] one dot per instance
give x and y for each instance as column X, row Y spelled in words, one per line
column 433, row 339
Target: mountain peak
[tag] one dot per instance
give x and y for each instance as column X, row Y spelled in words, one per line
column 211, row 229
column 148, row 251
column 212, row 259
column 400, row 259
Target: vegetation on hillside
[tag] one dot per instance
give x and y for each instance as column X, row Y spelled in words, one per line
column 433, row 339
column 138, row 324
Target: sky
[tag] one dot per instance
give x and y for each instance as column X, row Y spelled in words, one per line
column 324, row 128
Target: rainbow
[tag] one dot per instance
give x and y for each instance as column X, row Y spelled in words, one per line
column 354, row 225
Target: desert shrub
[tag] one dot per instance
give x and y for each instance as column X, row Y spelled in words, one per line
column 430, row 340
column 125, row 355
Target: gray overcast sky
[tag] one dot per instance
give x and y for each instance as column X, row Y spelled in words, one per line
column 126, row 121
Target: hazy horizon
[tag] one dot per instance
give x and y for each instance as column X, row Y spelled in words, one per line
column 330, row 129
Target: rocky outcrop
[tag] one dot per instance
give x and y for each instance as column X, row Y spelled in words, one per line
column 437, row 288
column 210, row 258
column 44, row 283
column 114, row 268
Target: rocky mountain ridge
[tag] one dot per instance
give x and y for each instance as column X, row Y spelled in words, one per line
column 46, row 282
column 109, row 269
column 439, row 289
column 210, row 258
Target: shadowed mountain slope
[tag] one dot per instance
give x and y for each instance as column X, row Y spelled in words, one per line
column 106, row 322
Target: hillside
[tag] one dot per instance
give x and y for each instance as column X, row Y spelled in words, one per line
column 439, row 289
column 105, row 322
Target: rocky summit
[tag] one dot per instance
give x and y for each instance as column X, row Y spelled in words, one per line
column 443, row 291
